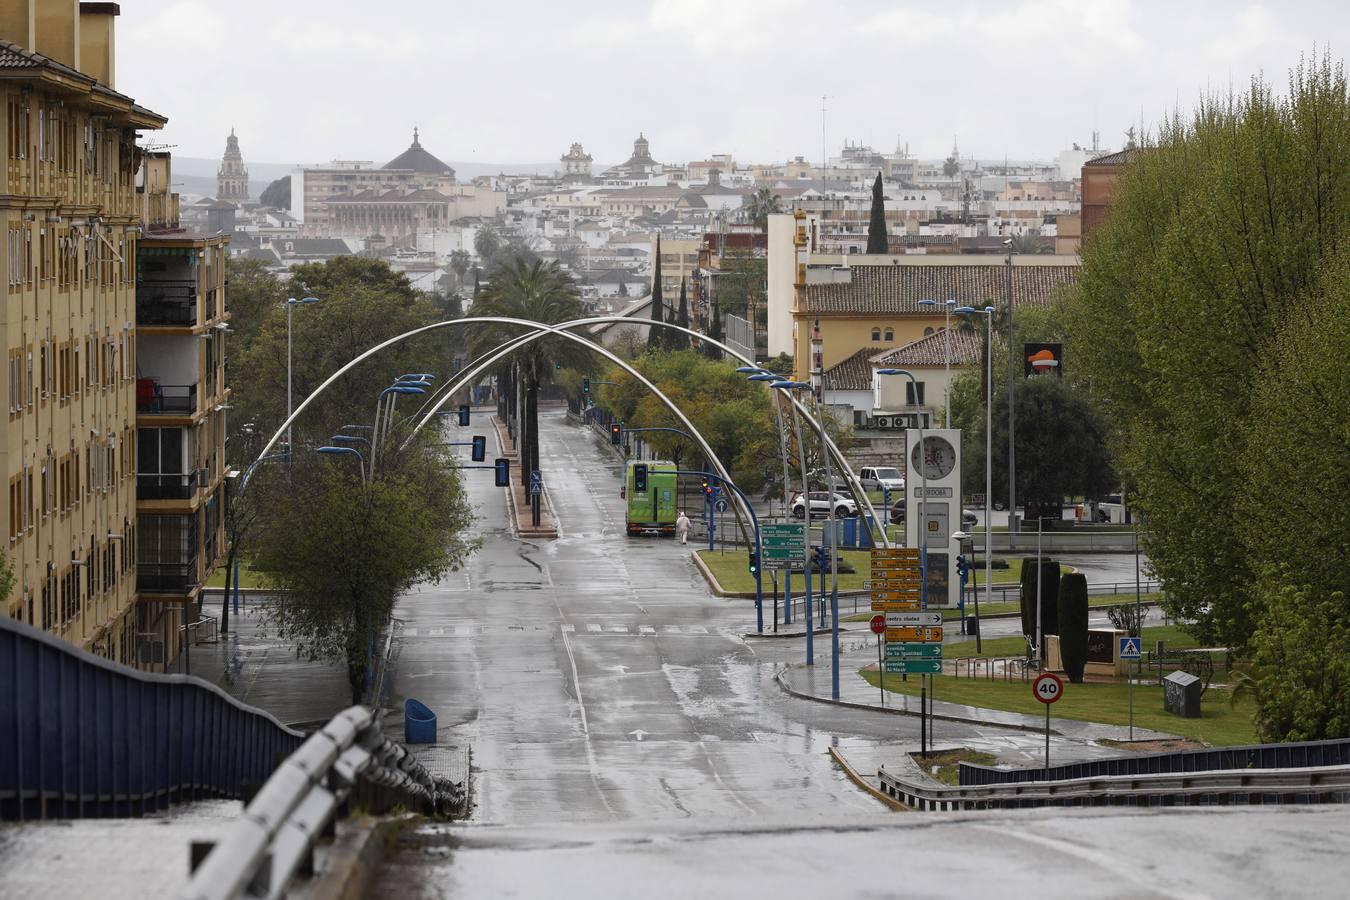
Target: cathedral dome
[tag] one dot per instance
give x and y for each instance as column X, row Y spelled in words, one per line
column 417, row 159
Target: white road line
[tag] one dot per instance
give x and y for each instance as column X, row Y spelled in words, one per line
column 617, row 629
column 646, row 629
column 695, row 629
column 465, row 630
column 569, row 629
column 435, row 632
column 593, row 629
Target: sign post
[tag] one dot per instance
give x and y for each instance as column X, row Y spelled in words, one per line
column 1131, row 648
column 1047, row 688
column 878, row 626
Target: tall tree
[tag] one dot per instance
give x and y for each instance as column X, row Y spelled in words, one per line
column 487, row 243
column 656, row 337
column 713, row 328
column 1215, row 242
column 876, row 228
column 539, row 292
column 460, row 261
column 277, row 195
column 678, row 339
column 763, row 203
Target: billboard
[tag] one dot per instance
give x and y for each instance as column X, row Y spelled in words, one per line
column 1042, row 359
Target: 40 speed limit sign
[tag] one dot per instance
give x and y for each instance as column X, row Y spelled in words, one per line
column 1047, row 688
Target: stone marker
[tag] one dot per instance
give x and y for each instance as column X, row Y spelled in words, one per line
column 1181, row 695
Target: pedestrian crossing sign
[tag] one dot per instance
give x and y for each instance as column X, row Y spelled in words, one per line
column 1130, row 648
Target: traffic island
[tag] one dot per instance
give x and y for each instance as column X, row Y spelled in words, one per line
column 519, row 502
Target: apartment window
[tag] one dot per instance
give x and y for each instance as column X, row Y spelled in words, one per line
column 927, row 332
column 909, row 393
column 15, row 508
column 876, row 334
column 890, row 335
column 15, row 381
column 18, row 129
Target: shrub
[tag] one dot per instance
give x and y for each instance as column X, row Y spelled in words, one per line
column 1073, row 625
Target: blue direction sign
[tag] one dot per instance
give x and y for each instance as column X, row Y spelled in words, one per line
column 536, row 482
column 914, row 651
column 913, row 667
column 1131, row 648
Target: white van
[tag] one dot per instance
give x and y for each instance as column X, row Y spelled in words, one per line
column 874, row 478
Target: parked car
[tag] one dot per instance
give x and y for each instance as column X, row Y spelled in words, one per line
column 897, row 515
column 876, row 478
column 821, row 501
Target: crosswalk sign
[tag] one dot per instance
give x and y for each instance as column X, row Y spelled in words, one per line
column 1130, row 648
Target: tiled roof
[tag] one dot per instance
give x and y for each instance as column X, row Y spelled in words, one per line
column 1118, row 158
column 932, row 351
column 13, row 56
column 853, row 374
column 899, row 288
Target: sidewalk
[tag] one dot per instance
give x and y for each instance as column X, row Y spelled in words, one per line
column 518, row 498
column 814, row 684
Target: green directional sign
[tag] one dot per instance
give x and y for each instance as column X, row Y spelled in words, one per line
column 913, row 667
column 913, row 651
column 783, row 544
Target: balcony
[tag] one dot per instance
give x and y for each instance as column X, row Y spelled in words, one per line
column 168, row 487
column 155, row 399
column 166, row 303
column 166, row 578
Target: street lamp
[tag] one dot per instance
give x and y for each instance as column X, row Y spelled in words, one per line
column 398, row 388
column 764, row 375
column 349, row 439
column 947, row 309
column 922, row 537
column 1012, row 454
column 988, row 312
column 336, row 451
column 785, row 385
column 291, row 303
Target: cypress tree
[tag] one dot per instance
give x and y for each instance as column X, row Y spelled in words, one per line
column 714, row 330
column 656, row 336
column 680, row 340
column 1049, row 570
column 1073, row 625
column 876, row 228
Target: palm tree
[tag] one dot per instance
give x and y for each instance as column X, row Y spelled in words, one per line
column 460, row 261
column 486, row 243
column 1030, row 243
column 539, row 292
column 763, row 203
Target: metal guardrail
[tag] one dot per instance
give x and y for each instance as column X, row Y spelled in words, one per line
column 1298, row 754
column 348, row 761
column 84, row 737
column 1325, row 784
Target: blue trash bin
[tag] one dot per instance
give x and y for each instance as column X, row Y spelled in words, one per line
column 419, row 723
column 850, row 538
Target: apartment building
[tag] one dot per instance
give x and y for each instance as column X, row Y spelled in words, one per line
column 80, row 204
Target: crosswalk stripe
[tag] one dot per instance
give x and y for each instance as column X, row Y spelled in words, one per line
column 647, row 629
column 617, row 629
column 593, row 629
column 570, row 629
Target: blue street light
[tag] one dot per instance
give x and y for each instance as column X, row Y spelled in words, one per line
column 746, row 370
column 336, row 451
column 392, row 392
column 768, row 376
column 348, row 439
column 948, row 309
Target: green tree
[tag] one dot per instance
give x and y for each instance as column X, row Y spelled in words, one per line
column 486, row 243
column 656, row 337
column 678, row 339
column 1216, row 238
column 1030, row 243
column 539, row 292
column 762, row 204
column 342, row 557
column 253, row 293
column 277, row 195
column 876, row 227
column 460, row 261
column 6, row 577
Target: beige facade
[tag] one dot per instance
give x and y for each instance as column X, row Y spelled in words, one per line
column 78, row 204
column 679, row 259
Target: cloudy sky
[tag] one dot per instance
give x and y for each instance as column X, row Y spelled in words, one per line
column 519, row 80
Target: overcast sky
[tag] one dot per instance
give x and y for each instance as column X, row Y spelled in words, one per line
column 519, row 80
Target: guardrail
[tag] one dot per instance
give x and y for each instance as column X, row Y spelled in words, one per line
column 348, row 761
column 1326, row 784
column 84, row 737
column 1297, row 754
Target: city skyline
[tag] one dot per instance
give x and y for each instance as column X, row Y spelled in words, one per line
column 739, row 80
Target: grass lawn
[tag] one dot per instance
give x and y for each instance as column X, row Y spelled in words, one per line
column 248, row 578
column 733, row 572
column 1015, row 645
column 1220, row 724
column 999, row 606
column 948, row 763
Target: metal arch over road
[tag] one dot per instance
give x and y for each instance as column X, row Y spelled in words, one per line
column 855, row 487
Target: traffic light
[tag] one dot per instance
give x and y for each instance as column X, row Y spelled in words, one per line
column 640, row 478
column 479, row 448
column 585, row 385
column 502, row 469
column 464, row 414
column 707, row 488
column 754, row 563
column 615, row 433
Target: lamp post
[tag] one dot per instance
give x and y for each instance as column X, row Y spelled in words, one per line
column 291, row 303
column 1012, row 355
column 923, row 542
column 988, row 312
column 806, row 511
column 337, row 451
column 397, row 388
column 947, row 309
column 764, row 375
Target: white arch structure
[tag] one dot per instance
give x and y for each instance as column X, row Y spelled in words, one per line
column 538, row 330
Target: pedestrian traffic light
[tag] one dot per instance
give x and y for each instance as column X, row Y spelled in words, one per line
column 754, row 563
column 464, row 414
column 479, row 448
column 502, row 469
column 615, row 433
column 640, row 478
column 585, row 385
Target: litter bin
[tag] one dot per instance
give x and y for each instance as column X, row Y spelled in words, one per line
column 850, row 532
column 419, row 723
column 972, row 625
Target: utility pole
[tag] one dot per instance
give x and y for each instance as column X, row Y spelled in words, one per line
column 1012, row 379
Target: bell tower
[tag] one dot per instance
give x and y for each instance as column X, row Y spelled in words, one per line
column 232, row 177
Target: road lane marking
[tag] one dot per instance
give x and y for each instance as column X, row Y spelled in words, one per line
column 569, row 629
column 593, row 629
column 646, row 629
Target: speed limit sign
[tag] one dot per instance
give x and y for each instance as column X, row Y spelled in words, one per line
column 1047, row 688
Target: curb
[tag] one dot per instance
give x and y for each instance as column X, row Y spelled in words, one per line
column 848, row 704
column 862, row 783
column 354, row 861
column 518, row 528
column 780, row 635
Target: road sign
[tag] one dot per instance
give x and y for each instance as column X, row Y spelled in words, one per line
column 895, row 553
column 914, row 651
column 784, row 544
column 913, row 667
column 536, row 482
column 1130, row 648
column 914, row 634
column 721, row 504
column 880, row 595
column 1047, row 688
column 881, row 607
column 912, row 619
column 878, row 624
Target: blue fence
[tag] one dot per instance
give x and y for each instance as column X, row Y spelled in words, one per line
column 1256, row 756
column 82, row 737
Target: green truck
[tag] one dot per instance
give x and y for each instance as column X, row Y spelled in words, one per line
column 653, row 510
